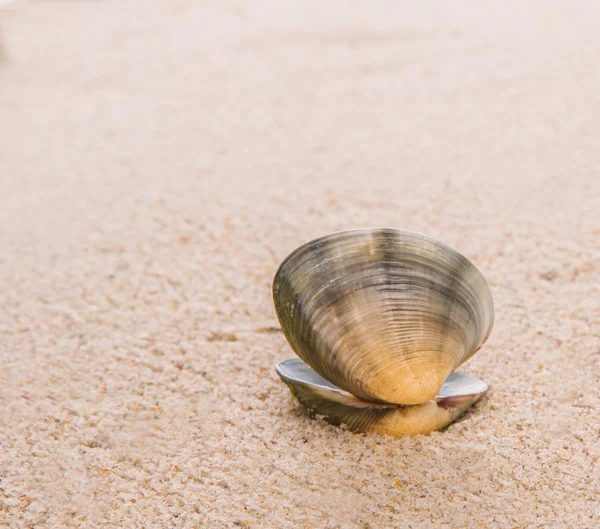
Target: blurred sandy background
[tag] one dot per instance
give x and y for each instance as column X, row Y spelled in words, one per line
column 158, row 159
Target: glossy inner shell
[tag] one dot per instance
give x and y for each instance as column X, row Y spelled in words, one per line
column 384, row 314
column 322, row 398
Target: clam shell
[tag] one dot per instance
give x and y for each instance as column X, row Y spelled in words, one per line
column 383, row 314
column 322, row 398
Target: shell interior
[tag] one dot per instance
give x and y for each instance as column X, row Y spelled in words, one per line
column 321, row 397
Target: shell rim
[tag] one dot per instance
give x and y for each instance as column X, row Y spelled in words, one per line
column 304, row 246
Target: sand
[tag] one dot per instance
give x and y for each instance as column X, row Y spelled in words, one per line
column 159, row 159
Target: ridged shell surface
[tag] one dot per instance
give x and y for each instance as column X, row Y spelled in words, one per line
column 384, row 314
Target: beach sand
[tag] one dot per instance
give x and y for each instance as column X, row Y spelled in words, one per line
column 157, row 162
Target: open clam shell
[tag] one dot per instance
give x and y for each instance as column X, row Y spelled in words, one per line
column 385, row 315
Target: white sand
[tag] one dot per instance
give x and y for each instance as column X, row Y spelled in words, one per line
column 159, row 159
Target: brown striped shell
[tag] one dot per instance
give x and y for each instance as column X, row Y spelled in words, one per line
column 383, row 314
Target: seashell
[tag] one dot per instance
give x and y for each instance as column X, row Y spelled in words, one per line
column 381, row 318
